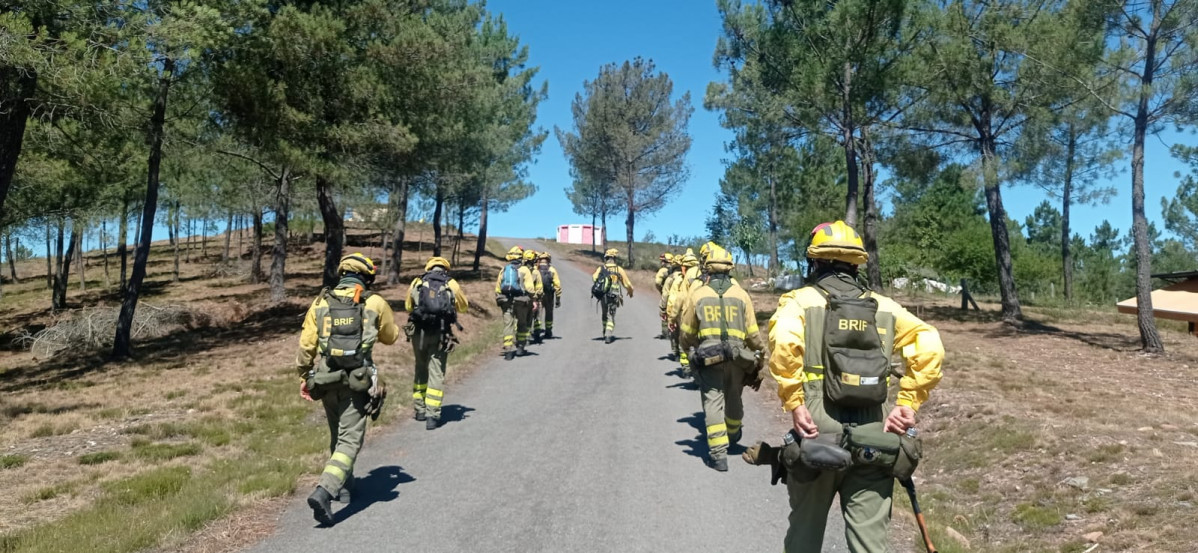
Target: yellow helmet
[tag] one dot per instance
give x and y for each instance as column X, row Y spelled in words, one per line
column 611, row 252
column 705, row 249
column 437, row 262
column 544, row 255
column 358, row 264
column 666, row 257
column 677, row 260
column 530, row 255
column 689, row 259
column 515, row 253
column 837, row 242
column 718, row 260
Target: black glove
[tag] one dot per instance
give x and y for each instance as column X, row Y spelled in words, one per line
column 557, row 302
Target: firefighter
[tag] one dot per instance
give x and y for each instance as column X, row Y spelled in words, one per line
column 608, row 284
column 659, row 280
column 667, row 288
column 343, row 325
column 830, row 395
column 719, row 327
column 551, row 291
column 689, row 270
column 534, row 315
column 433, row 304
column 514, row 292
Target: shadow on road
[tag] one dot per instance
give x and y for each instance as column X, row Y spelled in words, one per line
column 377, row 487
column 697, row 446
column 455, row 413
column 614, row 338
column 685, row 385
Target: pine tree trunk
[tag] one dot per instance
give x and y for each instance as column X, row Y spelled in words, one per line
column 630, row 223
column 137, row 228
column 49, row 259
column 481, row 245
column 1066, row 203
column 58, row 251
column 457, row 245
column 203, row 239
column 241, row 235
column 594, row 235
column 397, row 237
column 64, row 265
column 278, row 262
column 1150, row 338
column 82, row 260
column 256, row 275
column 174, row 222
column 123, row 345
column 228, row 237
column 850, row 149
column 1011, row 310
column 12, row 261
column 873, row 268
column 334, row 231
column 437, row 212
column 773, row 224
column 104, row 252
column 122, row 246
column 17, row 87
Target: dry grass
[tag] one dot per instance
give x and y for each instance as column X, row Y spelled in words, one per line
column 83, row 430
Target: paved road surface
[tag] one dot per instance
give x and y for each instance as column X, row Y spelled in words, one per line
column 580, row 446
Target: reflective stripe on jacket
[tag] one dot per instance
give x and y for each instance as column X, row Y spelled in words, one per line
column 701, row 315
column 378, row 326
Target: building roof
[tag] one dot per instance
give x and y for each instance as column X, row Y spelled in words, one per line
column 1177, row 301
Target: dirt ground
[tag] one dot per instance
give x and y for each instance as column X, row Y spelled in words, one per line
column 73, row 425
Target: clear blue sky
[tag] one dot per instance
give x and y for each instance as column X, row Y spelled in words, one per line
column 570, row 40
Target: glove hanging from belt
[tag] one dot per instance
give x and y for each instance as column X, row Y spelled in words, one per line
column 378, row 394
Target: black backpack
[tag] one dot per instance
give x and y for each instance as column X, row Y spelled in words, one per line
column 434, row 302
column 546, row 280
column 856, row 365
column 342, row 347
column 602, row 285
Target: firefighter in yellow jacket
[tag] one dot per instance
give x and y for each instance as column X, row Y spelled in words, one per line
column 343, row 325
column 719, row 327
column 515, row 289
column 433, row 304
column 823, row 399
column 610, row 291
column 551, row 297
column 672, row 303
column 659, row 280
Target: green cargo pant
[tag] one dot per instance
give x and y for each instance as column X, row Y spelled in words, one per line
column 609, row 305
column 346, row 414
column 720, row 387
column 516, row 314
column 865, row 492
column 546, row 312
column 428, row 387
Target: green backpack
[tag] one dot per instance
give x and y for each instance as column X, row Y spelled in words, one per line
column 856, row 364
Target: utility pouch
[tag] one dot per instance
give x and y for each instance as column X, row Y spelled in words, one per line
column 824, row 453
column 358, row 379
column 745, row 359
column 322, row 380
column 871, row 445
column 711, row 355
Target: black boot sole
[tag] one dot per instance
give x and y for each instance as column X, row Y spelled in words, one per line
column 320, row 513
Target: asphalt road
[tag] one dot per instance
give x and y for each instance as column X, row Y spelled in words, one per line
column 579, row 446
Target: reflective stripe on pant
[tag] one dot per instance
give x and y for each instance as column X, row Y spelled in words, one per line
column 720, row 387
column 430, row 367
column 346, row 413
column 865, row 492
column 609, row 316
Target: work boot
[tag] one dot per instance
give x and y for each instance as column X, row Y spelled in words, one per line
column 537, row 337
column 719, row 463
column 430, row 423
column 509, row 355
column 419, row 415
column 548, row 334
column 322, row 507
column 343, row 496
column 609, row 339
column 520, row 351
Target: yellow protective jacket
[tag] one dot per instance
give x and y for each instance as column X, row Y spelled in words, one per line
column 701, row 315
column 554, row 280
column 379, row 326
column 460, row 302
column 618, row 276
column 526, row 280
column 660, row 279
column 538, row 286
column 793, row 362
column 667, row 288
column 678, row 290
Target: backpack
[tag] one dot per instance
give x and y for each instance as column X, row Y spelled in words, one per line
column 434, row 302
column 341, row 334
column 511, row 284
column 546, row 280
column 602, row 286
column 856, row 365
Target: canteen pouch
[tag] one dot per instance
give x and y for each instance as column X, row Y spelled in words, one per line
column 824, row 453
column 795, row 469
column 871, row 445
column 358, row 380
column 322, row 379
column 745, row 359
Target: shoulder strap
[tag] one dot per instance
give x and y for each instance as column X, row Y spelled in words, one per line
column 723, row 310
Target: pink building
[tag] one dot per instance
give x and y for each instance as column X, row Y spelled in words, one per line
column 581, row 234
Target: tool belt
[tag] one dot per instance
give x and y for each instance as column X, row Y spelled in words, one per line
column 859, row 445
column 725, row 352
column 322, row 379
